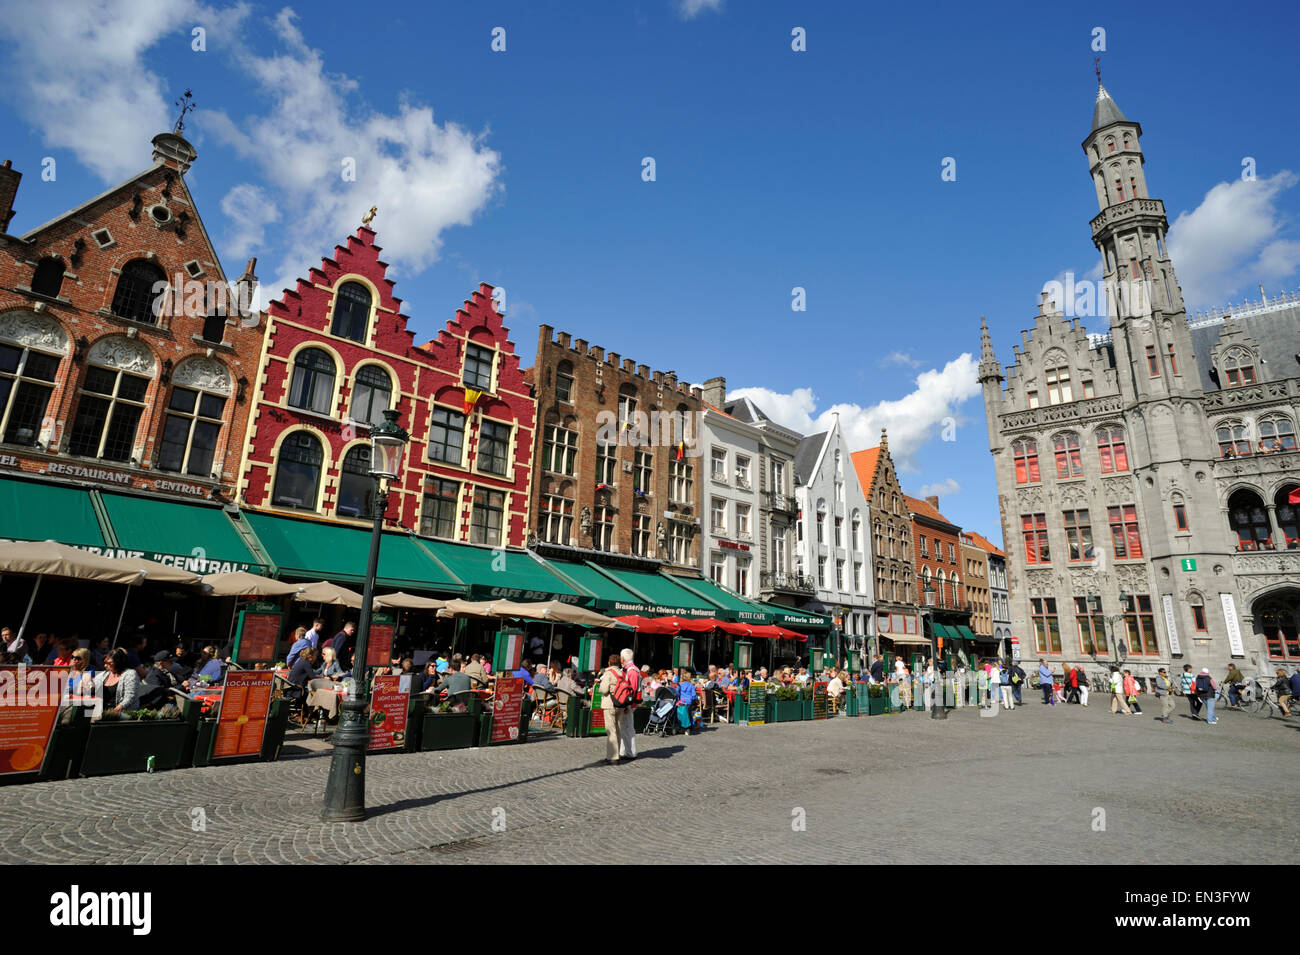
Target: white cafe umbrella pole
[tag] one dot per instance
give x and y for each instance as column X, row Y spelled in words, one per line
column 122, row 614
column 31, row 600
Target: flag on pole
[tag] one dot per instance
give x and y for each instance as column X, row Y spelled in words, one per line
column 472, row 395
column 681, row 450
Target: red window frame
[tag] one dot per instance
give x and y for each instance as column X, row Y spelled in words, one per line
column 1173, row 360
column 1125, row 535
column 1033, row 529
column 1069, row 456
column 1078, row 536
column 1112, row 450
column 1180, row 516
column 1025, row 453
column 1047, row 625
column 1140, row 627
column 1198, row 617
column 1153, row 364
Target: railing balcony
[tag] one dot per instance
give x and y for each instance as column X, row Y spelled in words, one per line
column 788, row 583
column 777, row 501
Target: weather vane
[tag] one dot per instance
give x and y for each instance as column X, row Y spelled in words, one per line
column 186, row 105
column 369, row 217
column 1097, row 60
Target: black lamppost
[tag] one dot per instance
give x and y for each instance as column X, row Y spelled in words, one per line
column 937, row 711
column 345, row 790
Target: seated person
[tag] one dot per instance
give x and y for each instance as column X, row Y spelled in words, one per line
column 156, row 691
column 525, row 671
column 207, row 670
column 542, row 679
column 329, row 668
column 835, row 689
column 301, row 673
column 567, row 686
column 475, row 671
column 430, row 676
column 456, row 685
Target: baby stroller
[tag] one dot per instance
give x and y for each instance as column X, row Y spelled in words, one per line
column 663, row 713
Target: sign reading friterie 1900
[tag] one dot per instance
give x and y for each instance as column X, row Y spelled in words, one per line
column 29, row 704
column 245, row 705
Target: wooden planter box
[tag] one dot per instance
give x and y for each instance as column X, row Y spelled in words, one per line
column 124, row 746
column 875, row 705
column 805, row 705
column 785, row 711
column 277, row 722
column 739, row 711
column 484, row 737
column 448, row 731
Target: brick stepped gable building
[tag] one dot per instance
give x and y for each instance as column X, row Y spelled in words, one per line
column 1150, row 468
column 641, row 502
column 338, row 352
column 936, row 549
column 103, row 385
column 892, row 564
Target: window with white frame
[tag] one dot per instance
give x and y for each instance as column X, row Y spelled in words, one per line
column 642, row 471
column 742, row 471
column 742, row 520
column 447, row 436
column 742, row 576
column 718, row 515
column 478, row 367
column 602, row 527
column 718, row 459
column 606, row 463
column 641, row 536
column 438, row 509
column 494, row 447
column 679, row 543
column 190, row 431
column 108, row 414
column 560, row 450
column 679, row 481
column 555, row 516
column 487, row 519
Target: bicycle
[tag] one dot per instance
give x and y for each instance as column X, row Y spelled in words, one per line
column 1264, row 704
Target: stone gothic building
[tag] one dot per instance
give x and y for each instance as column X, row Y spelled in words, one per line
column 1148, row 477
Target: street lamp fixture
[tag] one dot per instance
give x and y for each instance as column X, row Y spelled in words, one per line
column 345, row 789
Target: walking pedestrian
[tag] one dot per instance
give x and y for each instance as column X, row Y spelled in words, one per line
column 1207, row 689
column 1045, row 680
column 1005, row 676
column 1164, row 691
column 1017, row 681
column 1117, row 692
column 1131, row 692
column 608, row 679
column 1083, row 685
column 1072, row 685
column 626, row 727
column 1188, row 681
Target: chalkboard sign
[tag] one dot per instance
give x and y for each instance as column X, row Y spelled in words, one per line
column 258, row 633
column 819, row 700
column 379, row 647
column 757, row 703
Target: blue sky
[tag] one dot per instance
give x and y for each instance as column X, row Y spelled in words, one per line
column 774, row 169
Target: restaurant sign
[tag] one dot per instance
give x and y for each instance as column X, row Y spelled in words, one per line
column 194, row 563
column 480, row 592
column 659, row 610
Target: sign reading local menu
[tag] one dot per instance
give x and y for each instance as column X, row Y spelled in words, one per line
column 757, row 703
column 29, row 705
column 819, row 700
column 258, row 633
column 379, row 646
column 507, row 700
column 245, row 704
column 389, row 703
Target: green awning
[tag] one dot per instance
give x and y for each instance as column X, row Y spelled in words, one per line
column 658, row 596
column 733, row 606
column 32, row 511
column 605, row 593
column 790, row 617
column 942, row 630
column 194, row 537
column 313, row 550
column 965, row 632
column 501, row 574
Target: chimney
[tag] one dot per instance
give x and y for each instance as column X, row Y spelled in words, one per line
column 715, row 391
column 9, row 179
column 612, row 358
column 933, row 501
column 597, row 352
column 629, row 366
column 580, row 346
column 564, row 339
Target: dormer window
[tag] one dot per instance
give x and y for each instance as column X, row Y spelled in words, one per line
column 1239, row 367
column 1058, row 385
column 478, row 367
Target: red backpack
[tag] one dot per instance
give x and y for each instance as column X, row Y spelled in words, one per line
column 623, row 692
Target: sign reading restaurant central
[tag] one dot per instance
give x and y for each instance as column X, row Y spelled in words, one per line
column 105, row 476
column 193, row 563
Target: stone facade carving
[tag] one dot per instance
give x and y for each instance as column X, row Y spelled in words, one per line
column 28, row 330
column 123, row 353
column 206, row 374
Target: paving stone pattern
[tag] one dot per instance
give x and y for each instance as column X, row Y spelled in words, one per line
column 1021, row 787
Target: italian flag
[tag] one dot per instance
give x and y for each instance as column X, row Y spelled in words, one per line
column 510, row 650
column 591, row 658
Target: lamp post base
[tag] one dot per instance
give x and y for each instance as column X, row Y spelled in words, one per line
column 345, row 790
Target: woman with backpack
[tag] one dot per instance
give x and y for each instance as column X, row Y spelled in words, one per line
column 1206, row 691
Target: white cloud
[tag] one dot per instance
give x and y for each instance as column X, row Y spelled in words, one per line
column 911, row 421
column 942, row 489
column 901, row 358
column 77, row 72
column 1232, row 241
column 249, row 210
column 690, row 9
column 424, row 177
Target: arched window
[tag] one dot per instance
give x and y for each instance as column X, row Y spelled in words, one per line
column 1025, row 452
column 564, row 381
column 357, row 485
column 48, row 277
column 200, row 388
column 312, row 388
column 1238, row 367
column 1234, row 440
column 1247, row 517
column 351, row 312
column 28, row 371
column 1112, row 450
column 1069, row 459
column 372, row 395
column 1287, row 504
column 112, row 399
column 134, row 296
column 1276, row 433
column 297, row 472
column 1278, row 621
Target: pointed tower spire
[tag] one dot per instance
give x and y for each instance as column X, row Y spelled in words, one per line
column 989, row 367
column 1106, row 112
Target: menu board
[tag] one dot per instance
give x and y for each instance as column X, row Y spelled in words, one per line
column 29, row 705
column 258, row 633
column 819, row 700
column 379, row 646
column 597, row 725
column 389, row 703
column 245, row 703
column 757, row 703
column 506, row 703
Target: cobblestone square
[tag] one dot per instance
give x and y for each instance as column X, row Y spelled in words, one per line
column 1027, row 786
